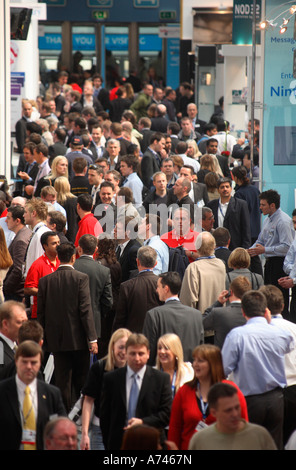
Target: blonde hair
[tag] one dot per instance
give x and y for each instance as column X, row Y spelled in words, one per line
column 172, row 342
column 55, row 162
column 63, row 189
column 239, row 258
column 118, row 334
column 39, row 206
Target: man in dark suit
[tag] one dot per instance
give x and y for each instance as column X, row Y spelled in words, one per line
column 22, row 429
column 135, row 394
column 104, row 209
column 198, row 191
column 29, row 170
column 173, row 131
column 13, row 284
column 138, row 291
column 222, row 251
column 179, row 196
column 233, row 214
column 212, row 148
column 151, row 159
column 20, row 127
column 173, row 317
column 65, row 312
column 12, row 316
column 127, row 246
column 144, row 127
column 99, row 279
column 159, row 123
column 58, row 147
column 221, row 317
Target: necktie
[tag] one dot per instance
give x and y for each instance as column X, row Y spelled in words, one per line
column 118, row 252
column 133, row 399
column 29, row 418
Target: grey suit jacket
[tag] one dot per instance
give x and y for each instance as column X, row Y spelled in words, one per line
column 174, row 317
column 100, row 287
column 222, row 320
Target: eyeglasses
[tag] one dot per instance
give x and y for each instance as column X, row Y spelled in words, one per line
column 93, row 167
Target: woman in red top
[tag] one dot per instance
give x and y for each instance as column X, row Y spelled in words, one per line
column 189, row 409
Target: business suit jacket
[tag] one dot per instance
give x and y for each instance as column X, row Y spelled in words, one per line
column 49, row 404
column 64, row 310
column 149, row 165
column 128, row 259
column 58, row 148
column 14, row 282
column 223, row 162
column 100, row 287
column 21, row 133
column 145, row 142
column 174, row 317
column 153, row 407
column 136, row 297
column 222, row 319
column 199, row 190
column 6, row 356
column 159, row 124
column 236, row 220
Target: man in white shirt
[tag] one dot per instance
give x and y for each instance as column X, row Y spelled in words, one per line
column 35, row 216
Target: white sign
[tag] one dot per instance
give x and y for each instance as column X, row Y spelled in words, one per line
column 169, row 32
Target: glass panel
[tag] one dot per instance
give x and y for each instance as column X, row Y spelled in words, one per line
column 50, row 47
column 83, row 47
column 117, row 61
column 151, row 66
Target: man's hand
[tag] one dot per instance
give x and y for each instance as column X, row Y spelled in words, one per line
column 93, row 347
column 223, row 297
column 257, row 250
column 133, row 422
column 286, row 282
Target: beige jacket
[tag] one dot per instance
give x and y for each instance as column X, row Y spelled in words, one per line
column 203, row 281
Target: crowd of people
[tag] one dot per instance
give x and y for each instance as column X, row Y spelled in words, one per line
column 142, row 300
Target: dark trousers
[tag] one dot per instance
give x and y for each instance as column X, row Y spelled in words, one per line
column 289, row 411
column 274, row 271
column 292, row 307
column 70, row 370
column 267, row 410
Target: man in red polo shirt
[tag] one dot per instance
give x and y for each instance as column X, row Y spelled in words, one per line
column 88, row 223
column 181, row 234
column 45, row 264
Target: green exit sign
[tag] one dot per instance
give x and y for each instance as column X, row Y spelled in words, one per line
column 168, row 15
column 100, row 15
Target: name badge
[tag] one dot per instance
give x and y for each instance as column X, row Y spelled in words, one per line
column 29, row 437
column 201, row 425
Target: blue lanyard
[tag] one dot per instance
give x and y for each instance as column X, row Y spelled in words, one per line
column 173, row 384
column 220, row 209
column 203, row 405
column 206, row 257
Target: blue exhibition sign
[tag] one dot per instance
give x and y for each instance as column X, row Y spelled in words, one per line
column 87, row 42
column 279, row 110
